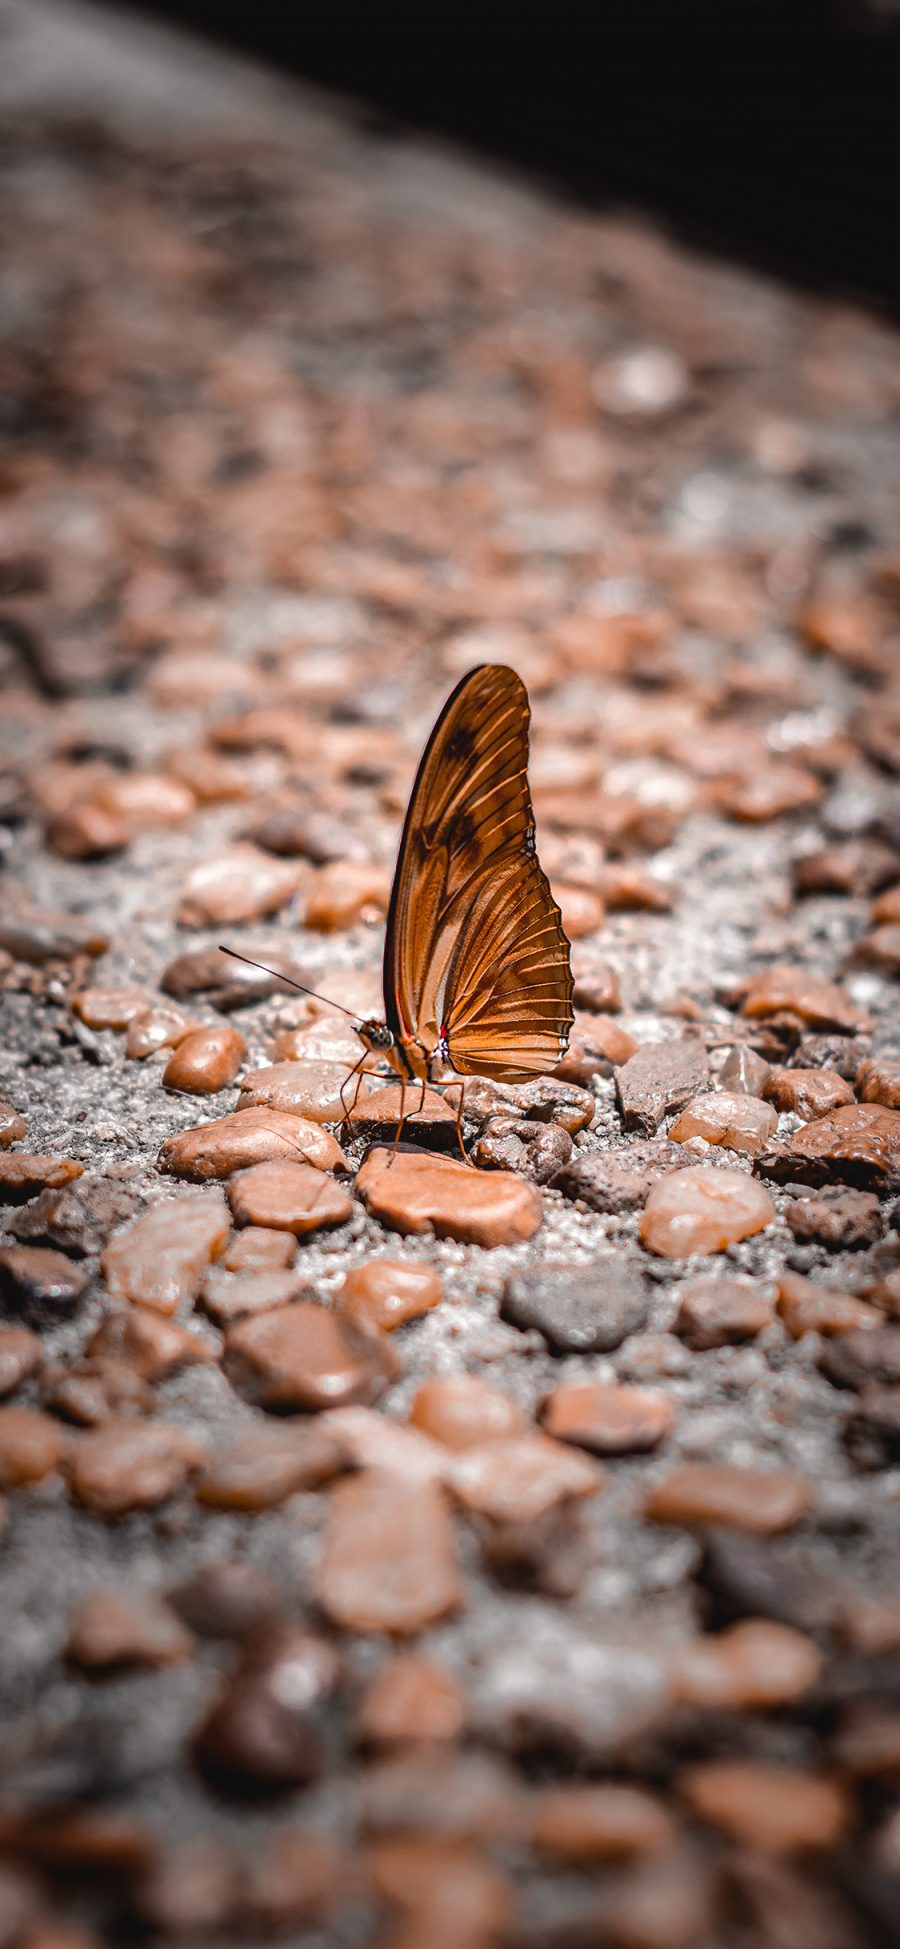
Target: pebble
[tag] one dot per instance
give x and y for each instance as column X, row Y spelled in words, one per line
column 841, row 1053
column 661, row 1077
column 96, row 1389
column 425, row 1119
column 41, row 1283
column 597, row 1046
column 108, row 1008
column 130, row 1464
column 703, row 1211
column 160, row 1258
column 388, row 1561
column 517, row 1478
column 369, row 1440
column 840, row 1220
column 228, row 1296
column 383, row 1294
column 88, row 831
column 733, row 1121
column 244, row 1139
column 859, row 1143
column 226, row 1599
column 304, row 1357
column 234, row 886
column 154, row 1347
column 261, row 1469
column 32, row 1445
column 877, row 1081
column 777, row 1809
column 582, row 911
column 618, row 1181
column 463, row 1411
column 808, row 1308
column 544, row 1099
column 851, row 866
column 304, row 1089
column 580, row 1308
column 286, row 1196
column 257, row 1249
column 21, row 1354
column 77, row 1221
column 750, row 1665
column 823, row 1004
column 110, row 1629
column 411, row 1698
column 207, row 974
column 608, row 1418
column 809, row 1093
column 12, row 1126
column 597, row 1821
column 24, row 1173
column 880, row 949
column 722, row 1312
column 153, row 1029
column 294, row 832
column 41, row 937
column 205, row 1060
column 864, row 1357
column 763, row 1501
column 744, row 1070
column 415, row 1193
column 148, row 801
column 343, row 892
column 213, row 778
column 597, row 990
column 769, row 793
column 264, row 1727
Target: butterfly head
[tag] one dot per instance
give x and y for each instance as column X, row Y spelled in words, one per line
column 376, row 1036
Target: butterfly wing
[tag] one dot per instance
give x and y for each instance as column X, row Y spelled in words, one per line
column 474, row 944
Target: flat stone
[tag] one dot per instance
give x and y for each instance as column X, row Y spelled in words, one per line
column 753, row 1664
column 517, row 1478
column 305, row 1089
column 822, row 1004
column 369, row 1440
column 32, row 1445
column 703, row 1211
column 344, row 892
column 41, row 1284
column 388, row 1561
column 153, row 1029
column 110, row 1629
column 206, row 1060
column 21, row 1354
column 775, row 1809
column 131, row 1464
column 257, row 1249
column 580, row 1308
column 859, row 1144
column 12, row 1126
column 154, row 1347
column 543, row 1099
column 878, row 1081
column 247, row 1138
column 733, row 1120
column 207, row 974
column 809, row 1093
column 761, row 1500
column 264, row 1728
column 808, row 1308
column 108, row 1008
column 160, row 1258
column 261, row 1469
column 608, row 1418
column 722, row 1312
column 378, row 1114
column 228, row 1296
column 23, row 1173
column 412, row 1698
column 591, row 1822
column 661, row 1077
column 864, row 1357
column 286, row 1196
column 226, row 1599
column 237, row 885
column 304, row 1357
column 464, row 1411
column 618, row 1181
column 414, row 1193
column 841, row 1220
column 385, row 1293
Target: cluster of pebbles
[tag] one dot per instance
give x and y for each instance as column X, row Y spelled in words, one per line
column 394, row 1551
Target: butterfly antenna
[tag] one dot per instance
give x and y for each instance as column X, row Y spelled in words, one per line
column 278, row 976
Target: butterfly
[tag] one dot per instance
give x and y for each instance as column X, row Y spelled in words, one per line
column 477, row 975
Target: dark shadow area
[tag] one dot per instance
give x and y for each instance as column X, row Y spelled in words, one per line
column 766, row 128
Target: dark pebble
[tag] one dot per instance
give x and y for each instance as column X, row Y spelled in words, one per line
column 43, row 1285
column 745, row 1576
column 295, row 833
column 226, row 1600
column 662, row 1077
column 37, row 938
column 842, row 1220
column 864, row 1357
column 536, row 1150
column 578, row 1309
column 597, row 990
column 208, row 974
column 77, row 1219
column 619, row 1180
column 263, row 1730
column 843, row 1053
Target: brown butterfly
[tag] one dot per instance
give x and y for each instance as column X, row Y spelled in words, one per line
column 477, row 978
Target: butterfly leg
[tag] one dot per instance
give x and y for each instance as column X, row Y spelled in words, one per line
column 356, row 1071
column 459, row 1110
column 396, row 1143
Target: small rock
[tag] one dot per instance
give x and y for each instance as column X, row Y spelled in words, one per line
column 880, row 949
column 463, row 1411
column 23, row 1173
column 761, row 1500
column 734, row 1121
column 425, row 1118
column 597, row 1821
column 582, row 911
column 778, row 1810
column 111, row 1629
column 549, row 1554
column 292, row 1881
column 260, row 1470
column 544, row 1099
column 859, row 1144
column 753, row 1664
column 230, row 1296
column 385, row 1293
column 88, row 831
column 661, row 1077
column 618, row 1181
column 21, row 1354
column 96, row 1390
column 247, row 1138
column 369, row 1440
column 264, row 1727
column 703, row 1211
column 536, row 1150
column 412, row 1698
column 127, row 1465
column 722, row 1313
column 258, row 1249
column 809, row 1093
column 744, row 1070
column 597, row 990
column 148, row 801
column 32, row 1445
column 842, row 1054
column 42, row 1284
column 344, row 892
column 769, row 793
column 108, row 1008
column 808, row 1308
column 209, row 975
column 841, row 1220
column 159, row 1259
column 226, row 1599
column 878, row 1081
column 153, row 1029
column 154, row 1347
column 303, row 1357
column 287, row 1196
column 305, row 1089
column 237, row 885
column 517, row 1478
column 821, row 1003
column 416, row 1193
column 40, row 937
column 864, row 1357
column 388, row 1561
column 608, row 1418
column 206, row 1060
column 294, row 832
column 12, row 1126
column 580, row 1308
column 597, row 1046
